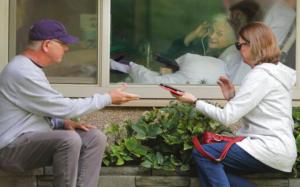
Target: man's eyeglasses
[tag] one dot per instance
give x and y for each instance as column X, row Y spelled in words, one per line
column 239, row 45
column 58, row 41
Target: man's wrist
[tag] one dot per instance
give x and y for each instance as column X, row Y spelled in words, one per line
column 58, row 123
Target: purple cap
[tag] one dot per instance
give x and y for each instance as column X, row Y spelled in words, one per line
column 50, row 29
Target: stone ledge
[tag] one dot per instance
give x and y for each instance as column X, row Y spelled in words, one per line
column 140, row 171
column 35, row 172
column 136, row 170
column 139, row 177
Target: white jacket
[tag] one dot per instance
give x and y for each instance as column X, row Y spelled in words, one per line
column 193, row 69
column 264, row 104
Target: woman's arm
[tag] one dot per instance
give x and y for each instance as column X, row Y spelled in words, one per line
column 255, row 87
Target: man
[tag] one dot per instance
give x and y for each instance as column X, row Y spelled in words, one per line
column 30, row 107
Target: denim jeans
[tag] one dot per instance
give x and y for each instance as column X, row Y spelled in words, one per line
column 76, row 156
column 226, row 173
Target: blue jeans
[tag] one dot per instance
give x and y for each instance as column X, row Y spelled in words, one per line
column 224, row 173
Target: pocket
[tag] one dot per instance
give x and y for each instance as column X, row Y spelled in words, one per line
column 19, row 141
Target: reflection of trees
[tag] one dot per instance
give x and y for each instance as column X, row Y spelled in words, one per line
column 76, row 63
column 66, row 11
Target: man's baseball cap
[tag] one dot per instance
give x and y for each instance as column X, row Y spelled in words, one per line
column 50, row 29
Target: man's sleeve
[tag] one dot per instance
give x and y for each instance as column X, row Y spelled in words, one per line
column 57, row 123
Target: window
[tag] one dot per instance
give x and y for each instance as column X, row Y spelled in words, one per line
column 169, row 44
column 156, row 35
column 81, row 19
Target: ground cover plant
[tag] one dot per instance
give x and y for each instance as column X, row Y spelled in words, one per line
column 161, row 138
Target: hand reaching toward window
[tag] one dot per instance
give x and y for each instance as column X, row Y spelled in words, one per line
column 227, row 88
column 114, row 65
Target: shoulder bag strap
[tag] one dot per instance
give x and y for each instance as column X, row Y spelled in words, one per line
column 200, row 149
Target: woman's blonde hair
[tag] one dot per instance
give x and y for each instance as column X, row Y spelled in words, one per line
column 262, row 42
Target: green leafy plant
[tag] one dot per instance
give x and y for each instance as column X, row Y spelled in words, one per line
column 296, row 117
column 161, row 138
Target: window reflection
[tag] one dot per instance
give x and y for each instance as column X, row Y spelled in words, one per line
column 80, row 18
column 151, row 35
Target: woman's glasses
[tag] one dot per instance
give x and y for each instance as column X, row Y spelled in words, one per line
column 239, row 45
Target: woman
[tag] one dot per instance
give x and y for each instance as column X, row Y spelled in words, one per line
column 193, row 68
column 196, row 42
column 264, row 104
column 197, row 69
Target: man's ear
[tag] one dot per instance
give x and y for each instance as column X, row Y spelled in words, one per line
column 45, row 45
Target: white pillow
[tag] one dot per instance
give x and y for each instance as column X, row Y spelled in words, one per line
column 201, row 69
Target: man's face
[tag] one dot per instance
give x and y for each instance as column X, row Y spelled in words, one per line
column 56, row 50
column 222, row 35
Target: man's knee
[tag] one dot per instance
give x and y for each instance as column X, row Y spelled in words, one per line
column 102, row 137
column 71, row 139
column 97, row 137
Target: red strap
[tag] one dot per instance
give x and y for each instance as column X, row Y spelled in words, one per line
column 200, row 149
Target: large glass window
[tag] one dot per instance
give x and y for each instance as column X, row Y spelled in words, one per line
column 183, row 42
column 191, row 41
column 80, row 18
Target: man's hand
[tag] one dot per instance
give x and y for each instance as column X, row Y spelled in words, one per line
column 72, row 125
column 118, row 96
column 227, row 88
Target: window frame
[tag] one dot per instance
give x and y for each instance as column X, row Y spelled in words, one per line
column 147, row 92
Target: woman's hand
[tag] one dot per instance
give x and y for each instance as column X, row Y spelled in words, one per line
column 200, row 31
column 72, row 125
column 186, row 98
column 227, row 88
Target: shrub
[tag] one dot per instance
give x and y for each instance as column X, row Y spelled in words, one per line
column 296, row 117
column 161, row 138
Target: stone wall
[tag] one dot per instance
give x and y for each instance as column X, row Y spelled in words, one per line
column 137, row 177
column 110, row 115
column 131, row 176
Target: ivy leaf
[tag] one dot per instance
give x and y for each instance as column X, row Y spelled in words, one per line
column 106, row 162
column 146, row 164
column 153, row 131
column 175, row 161
column 140, row 130
column 187, row 146
column 135, row 147
column 298, row 143
column 171, row 140
column 112, row 129
column 198, row 128
column 120, row 161
column 184, row 167
column 296, row 114
column 159, row 158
